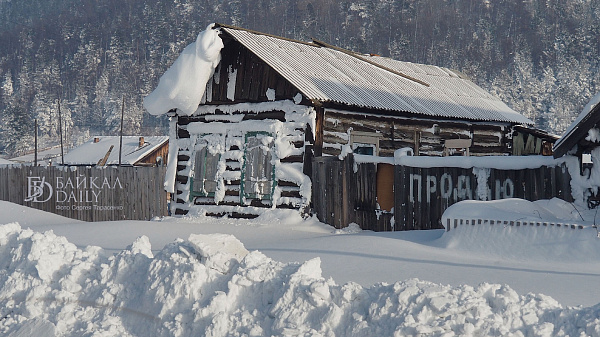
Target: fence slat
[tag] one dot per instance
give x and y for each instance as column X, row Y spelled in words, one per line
column 88, row 194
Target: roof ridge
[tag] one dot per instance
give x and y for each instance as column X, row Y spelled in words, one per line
column 219, row 25
column 358, row 56
column 318, row 43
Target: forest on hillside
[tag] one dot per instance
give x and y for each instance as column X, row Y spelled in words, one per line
column 540, row 57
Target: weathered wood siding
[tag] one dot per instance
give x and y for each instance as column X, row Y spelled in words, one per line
column 423, row 194
column 247, row 77
column 347, row 191
column 85, row 193
column 347, row 196
column 399, row 132
column 151, row 159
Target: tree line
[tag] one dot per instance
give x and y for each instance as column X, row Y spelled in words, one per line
column 540, row 57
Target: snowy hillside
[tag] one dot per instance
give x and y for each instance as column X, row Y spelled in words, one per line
column 281, row 275
column 541, row 58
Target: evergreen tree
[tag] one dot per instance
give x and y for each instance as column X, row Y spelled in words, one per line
column 539, row 57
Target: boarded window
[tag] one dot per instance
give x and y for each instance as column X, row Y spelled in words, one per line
column 258, row 172
column 204, row 181
column 365, row 149
column 365, row 143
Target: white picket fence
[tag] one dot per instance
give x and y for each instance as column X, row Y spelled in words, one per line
column 453, row 223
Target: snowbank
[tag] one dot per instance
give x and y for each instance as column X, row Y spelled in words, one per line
column 183, row 84
column 514, row 209
column 514, row 228
column 211, row 286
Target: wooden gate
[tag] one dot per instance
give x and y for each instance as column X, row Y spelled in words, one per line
column 345, row 192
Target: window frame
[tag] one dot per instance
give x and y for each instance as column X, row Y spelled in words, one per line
column 243, row 194
column 203, row 192
column 365, row 139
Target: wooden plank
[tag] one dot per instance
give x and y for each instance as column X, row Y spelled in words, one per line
column 139, row 198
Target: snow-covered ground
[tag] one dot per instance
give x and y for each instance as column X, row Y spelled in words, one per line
column 281, row 275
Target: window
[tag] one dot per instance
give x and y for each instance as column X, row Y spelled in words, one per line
column 204, row 181
column 258, row 172
column 365, row 143
column 366, row 149
column 453, row 147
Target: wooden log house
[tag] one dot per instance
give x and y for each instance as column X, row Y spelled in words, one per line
column 275, row 105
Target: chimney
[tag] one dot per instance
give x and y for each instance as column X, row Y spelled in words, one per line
column 96, row 139
column 142, row 141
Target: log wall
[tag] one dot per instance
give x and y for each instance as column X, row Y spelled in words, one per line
column 398, row 132
column 289, row 134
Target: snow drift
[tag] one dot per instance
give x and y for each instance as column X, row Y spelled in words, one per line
column 541, row 230
column 183, row 84
column 211, row 285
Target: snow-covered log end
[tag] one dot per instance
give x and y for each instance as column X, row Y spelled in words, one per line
column 182, row 86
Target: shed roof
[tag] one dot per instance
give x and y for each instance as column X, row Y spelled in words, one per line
column 90, row 152
column 578, row 130
column 329, row 74
column 44, row 156
column 6, row 162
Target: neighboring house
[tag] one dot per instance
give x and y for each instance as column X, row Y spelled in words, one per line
column 583, row 135
column 273, row 105
column 580, row 143
column 45, row 157
column 104, row 150
column 5, row 162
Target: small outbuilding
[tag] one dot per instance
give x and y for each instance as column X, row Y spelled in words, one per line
column 135, row 151
column 6, row 162
column 45, row 157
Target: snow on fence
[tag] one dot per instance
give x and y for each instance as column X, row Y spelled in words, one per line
column 453, row 223
column 419, row 189
column 86, row 193
column 424, row 193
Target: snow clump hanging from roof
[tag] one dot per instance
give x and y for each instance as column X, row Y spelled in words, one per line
column 183, row 84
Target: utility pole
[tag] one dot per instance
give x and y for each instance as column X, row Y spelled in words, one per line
column 121, row 136
column 62, row 152
column 35, row 161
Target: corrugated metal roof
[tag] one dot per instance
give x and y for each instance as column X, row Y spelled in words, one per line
column 329, row 75
column 587, row 119
column 90, row 152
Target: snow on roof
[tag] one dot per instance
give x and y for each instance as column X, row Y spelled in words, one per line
column 182, row 85
column 561, row 146
column 43, row 156
column 6, row 162
column 329, row 74
column 90, row 152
